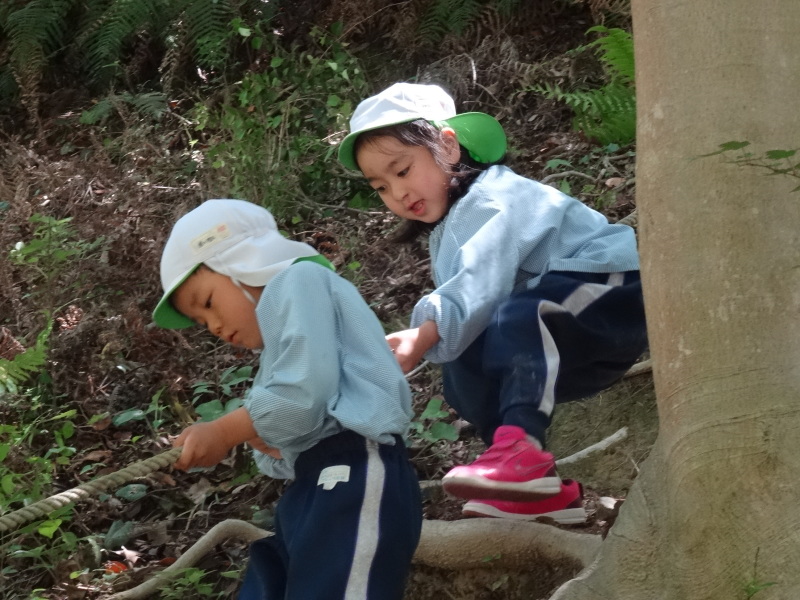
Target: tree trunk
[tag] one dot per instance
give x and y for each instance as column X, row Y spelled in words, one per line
column 713, row 514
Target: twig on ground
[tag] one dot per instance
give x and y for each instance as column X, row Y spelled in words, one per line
column 417, row 369
column 601, row 445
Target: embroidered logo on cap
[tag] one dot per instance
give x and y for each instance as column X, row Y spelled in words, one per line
column 211, row 237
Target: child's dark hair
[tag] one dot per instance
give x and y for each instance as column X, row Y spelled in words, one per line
column 422, row 133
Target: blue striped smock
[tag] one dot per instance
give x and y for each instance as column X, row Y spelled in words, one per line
column 501, row 237
column 325, row 367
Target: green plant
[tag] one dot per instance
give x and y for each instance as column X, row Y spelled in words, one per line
column 101, row 43
column 27, row 477
column 606, row 114
column 151, row 105
column 153, row 414
column 31, row 483
column 776, row 162
column 754, row 585
column 191, row 584
column 225, row 393
column 444, row 17
column 28, row 557
column 429, row 426
column 26, row 364
column 49, row 256
column 270, row 141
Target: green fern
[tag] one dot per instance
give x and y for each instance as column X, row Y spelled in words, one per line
column 208, row 25
column 607, row 114
column 25, row 365
column 152, row 105
column 34, row 31
column 615, row 52
column 97, row 43
column 447, row 16
column 506, row 8
column 9, row 89
column 104, row 41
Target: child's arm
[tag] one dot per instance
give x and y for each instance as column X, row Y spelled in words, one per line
column 206, row 444
column 410, row 345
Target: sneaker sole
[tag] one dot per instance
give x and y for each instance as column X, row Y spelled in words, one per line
column 568, row 516
column 487, row 489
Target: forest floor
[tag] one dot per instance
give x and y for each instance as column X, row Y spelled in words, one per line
column 111, row 361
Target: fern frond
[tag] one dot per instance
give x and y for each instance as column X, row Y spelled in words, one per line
column 25, row 365
column 432, row 27
column 174, row 54
column 39, row 23
column 105, row 40
column 34, row 31
column 607, row 114
column 615, row 51
column 8, row 86
column 208, row 26
column 151, row 104
column 447, row 16
column 463, row 13
column 507, row 7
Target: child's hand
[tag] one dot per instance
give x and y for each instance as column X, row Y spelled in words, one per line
column 259, row 445
column 410, row 345
column 203, row 446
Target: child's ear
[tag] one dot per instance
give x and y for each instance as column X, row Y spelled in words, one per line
column 452, row 148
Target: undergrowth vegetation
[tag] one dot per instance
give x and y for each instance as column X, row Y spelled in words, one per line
column 118, row 116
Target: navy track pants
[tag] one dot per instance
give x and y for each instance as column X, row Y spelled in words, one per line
column 345, row 529
column 572, row 336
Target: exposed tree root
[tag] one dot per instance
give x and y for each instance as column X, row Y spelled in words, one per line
column 471, row 543
column 639, row 368
column 451, row 545
column 228, row 529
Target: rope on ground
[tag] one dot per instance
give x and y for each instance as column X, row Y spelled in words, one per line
column 43, row 507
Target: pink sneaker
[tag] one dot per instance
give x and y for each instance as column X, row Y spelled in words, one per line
column 512, row 468
column 566, row 508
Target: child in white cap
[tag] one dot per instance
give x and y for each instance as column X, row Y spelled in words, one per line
column 328, row 407
column 537, row 300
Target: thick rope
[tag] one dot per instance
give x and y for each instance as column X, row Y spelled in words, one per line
column 43, row 507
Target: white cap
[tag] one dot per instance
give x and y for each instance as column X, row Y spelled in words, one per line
column 481, row 134
column 403, row 102
column 234, row 238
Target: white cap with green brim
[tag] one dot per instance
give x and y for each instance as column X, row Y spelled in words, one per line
column 481, row 134
column 233, row 237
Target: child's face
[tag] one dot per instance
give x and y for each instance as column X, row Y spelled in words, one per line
column 215, row 302
column 407, row 178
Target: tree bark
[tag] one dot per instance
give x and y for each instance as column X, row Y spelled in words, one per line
column 713, row 514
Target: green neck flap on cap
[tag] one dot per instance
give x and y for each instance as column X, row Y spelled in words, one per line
column 317, row 258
